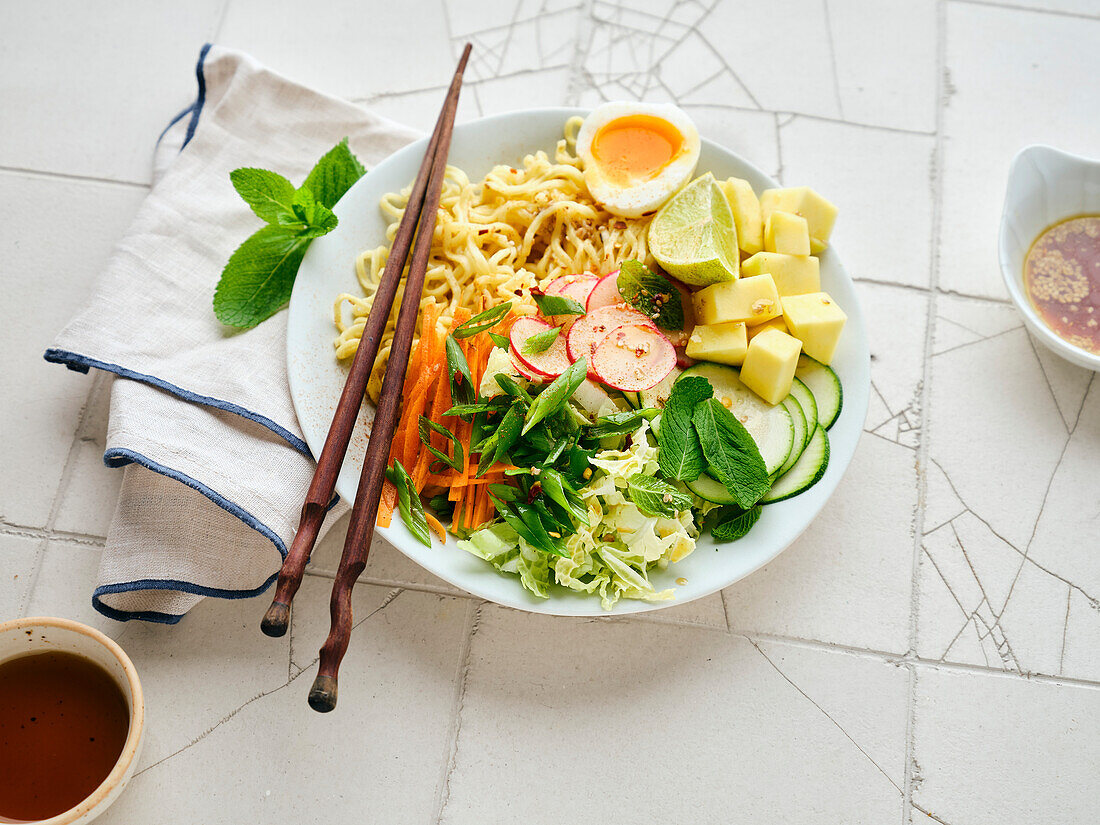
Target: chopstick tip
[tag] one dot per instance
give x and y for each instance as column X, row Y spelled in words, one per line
column 322, row 696
column 276, row 620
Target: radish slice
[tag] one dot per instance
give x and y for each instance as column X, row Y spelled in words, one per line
column 605, row 293
column 634, row 358
column 522, row 370
column 589, row 330
column 562, row 283
column 549, row 363
column 580, row 289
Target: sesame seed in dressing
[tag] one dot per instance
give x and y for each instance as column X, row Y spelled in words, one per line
column 1062, row 279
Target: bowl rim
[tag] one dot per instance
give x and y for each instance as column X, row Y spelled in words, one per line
column 1013, row 276
column 856, row 399
column 130, row 747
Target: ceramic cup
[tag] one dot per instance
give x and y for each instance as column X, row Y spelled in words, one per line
column 40, row 635
column 1045, row 186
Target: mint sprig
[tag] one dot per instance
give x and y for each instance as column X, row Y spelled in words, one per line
column 259, row 276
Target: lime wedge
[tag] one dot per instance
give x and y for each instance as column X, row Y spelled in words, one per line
column 693, row 236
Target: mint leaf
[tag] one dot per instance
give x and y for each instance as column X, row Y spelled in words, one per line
column 318, row 219
column 334, row 174
column 269, row 194
column 735, row 526
column 679, row 454
column 655, row 497
column 557, row 304
column 258, row 279
column 500, row 340
column 651, row 294
column 541, row 341
column 732, row 456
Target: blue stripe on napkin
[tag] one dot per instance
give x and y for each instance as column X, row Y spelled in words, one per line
column 120, row 457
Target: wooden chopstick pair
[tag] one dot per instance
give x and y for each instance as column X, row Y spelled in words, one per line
column 419, row 218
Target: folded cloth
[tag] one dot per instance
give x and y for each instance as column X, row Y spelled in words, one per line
column 201, row 417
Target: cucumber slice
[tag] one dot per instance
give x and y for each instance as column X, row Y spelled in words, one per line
column 801, row 432
column 709, row 488
column 825, row 385
column 657, row 395
column 806, row 400
column 632, row 399
column 806, row 472
column 770, row 426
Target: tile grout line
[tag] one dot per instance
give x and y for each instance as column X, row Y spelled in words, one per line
column 936, row 185
column 450, row 753
column 72, row 176
column 59, row 493
column 1033, row 9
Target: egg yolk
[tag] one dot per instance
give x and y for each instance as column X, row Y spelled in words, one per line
column 636, row 147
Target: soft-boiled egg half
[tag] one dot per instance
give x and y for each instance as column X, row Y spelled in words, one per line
column 637, row 155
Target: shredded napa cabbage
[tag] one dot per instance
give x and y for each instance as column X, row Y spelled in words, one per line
column 615, row 553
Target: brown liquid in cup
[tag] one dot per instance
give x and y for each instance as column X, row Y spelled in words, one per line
column 63, row 725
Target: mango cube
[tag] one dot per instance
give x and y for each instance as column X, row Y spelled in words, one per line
column 819, row 213
column 816, row 321
column 793, row 274
column 787, row 233
column 769, row 365
column 775, row 323
column 746, row 214
column 722, row 343
column 817, row 247
column 747, row 300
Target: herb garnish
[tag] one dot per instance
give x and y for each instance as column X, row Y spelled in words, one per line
column 679, row 453
column 655, row 497
column 482, row 321
column 736, row 525
column 651, row 294
column 408, row 502
column 540, row 341
column 552, row 398
column 732, row 455
column 259, row 276
column 557, row 304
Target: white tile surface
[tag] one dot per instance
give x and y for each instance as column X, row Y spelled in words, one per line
column 539, row 691
column 18, row 562
column 356, row 52
column 88, row 94
column 994, row 750
column 885, row 223
column 790, row 696
column 267, row 756
column 57, row 236
column 1013, row 78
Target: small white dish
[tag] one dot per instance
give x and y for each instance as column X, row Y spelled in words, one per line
column 22, row 637
column 316, row 379
column 1045, row 186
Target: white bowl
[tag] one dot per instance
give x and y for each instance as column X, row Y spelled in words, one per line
column 316, row 379
column 40, row 635
column 1045, row 186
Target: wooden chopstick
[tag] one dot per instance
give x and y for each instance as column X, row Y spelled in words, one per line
column 323, row 694
column 323, row 485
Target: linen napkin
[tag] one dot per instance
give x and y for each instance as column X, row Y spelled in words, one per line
column 201, row 422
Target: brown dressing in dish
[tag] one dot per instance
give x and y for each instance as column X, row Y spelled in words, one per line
column 63, row 724
column 1062, row 279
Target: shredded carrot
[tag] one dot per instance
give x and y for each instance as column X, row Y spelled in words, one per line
column 435, row 524
column 386, row 504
